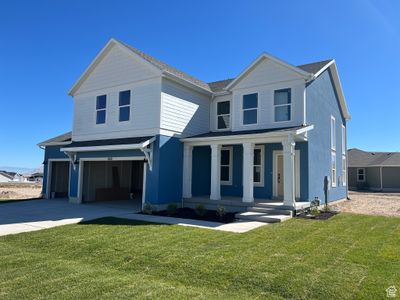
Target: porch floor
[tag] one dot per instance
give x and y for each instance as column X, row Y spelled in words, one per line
column 237, row 201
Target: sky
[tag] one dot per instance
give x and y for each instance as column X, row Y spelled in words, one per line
column 46, row 45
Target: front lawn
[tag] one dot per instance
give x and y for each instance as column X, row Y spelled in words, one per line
column 347, row 256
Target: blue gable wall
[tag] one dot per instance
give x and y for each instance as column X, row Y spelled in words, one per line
column 322, row 102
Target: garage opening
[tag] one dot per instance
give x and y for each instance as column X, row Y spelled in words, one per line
column 114, row 181
column 59, row 181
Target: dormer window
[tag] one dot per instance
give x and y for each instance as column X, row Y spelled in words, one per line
column 124, row 105
column 250, row 108
column 223, row 115
column 282, row 105
column 101, row 104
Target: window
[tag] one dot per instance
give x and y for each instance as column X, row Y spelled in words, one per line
column 101, row 104
column 343, row 140
column 333, row 168
column 226, row 165
column 258, row 173
column 344, row 170
column 333, row 133
column 282, row 105
column 361, row 174
column 223, row 114
column 250, row 107
column 124, row 105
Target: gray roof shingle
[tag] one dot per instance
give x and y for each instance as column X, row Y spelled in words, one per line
column 359, row 158
column 315, row 66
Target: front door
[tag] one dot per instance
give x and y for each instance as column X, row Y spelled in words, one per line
column 279, row 175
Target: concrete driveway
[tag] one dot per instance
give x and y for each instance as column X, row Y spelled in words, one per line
column 25, row 216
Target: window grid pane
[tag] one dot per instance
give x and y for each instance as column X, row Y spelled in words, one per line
column 250, row 101
column 124, row 113
column 282, row 97
column 124, row 98
column 223, row 121
column 223, row 108
column 250, row 116
column 101, row 102
column 101, row 117
column 282, row 113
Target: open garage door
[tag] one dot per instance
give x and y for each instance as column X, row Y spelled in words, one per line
column 59, row 179
column 112, row 181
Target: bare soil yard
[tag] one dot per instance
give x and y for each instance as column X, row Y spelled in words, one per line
column 367, row 203
column 17, row 191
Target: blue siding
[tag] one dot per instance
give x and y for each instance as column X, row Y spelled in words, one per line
column 322, row 102
column 201, row 171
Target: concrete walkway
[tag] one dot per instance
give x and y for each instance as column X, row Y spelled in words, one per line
column 25, row 216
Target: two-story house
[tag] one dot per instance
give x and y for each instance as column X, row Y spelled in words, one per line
column 143, row 129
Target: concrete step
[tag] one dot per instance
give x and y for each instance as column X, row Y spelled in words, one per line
column 262, row 217
column 271, row 211
column 275, row 205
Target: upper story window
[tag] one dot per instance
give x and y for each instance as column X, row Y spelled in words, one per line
column 343, row 140
column 226, row 165
column 223, row 114
column 250, row 107
column 258, row 172
column 101, row 105
column 124, row 105
column 282, row 105
column 333, row 133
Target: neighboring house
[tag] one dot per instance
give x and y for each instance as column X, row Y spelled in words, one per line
column 376, row 171
column 19, row 178
column 36, row 177
column 142, row 128
column 5, row 177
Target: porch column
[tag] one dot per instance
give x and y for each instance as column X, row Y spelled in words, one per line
column 187, row 171
column 288, row 172
column 248, row 166
column 215, row 172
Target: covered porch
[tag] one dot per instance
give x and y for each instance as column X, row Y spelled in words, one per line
column 243, row 169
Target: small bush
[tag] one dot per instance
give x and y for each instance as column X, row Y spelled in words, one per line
column 327, row 208
column 171, row 209
column 220, row 212
column 314, row 211
column 147, row 209
column 200, row 210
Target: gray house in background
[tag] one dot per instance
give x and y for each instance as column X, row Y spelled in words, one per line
column 375, row 171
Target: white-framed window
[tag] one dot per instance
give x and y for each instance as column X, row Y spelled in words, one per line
column 282, row 105
column 250, row 109
column 333, row 133
column 226, row 165
column 101, row 107
column 360, row 174
column 333, row 169
column 258, row 173
column 223, row 115
column 124, row 105
column 343, row 140
column 344, row 170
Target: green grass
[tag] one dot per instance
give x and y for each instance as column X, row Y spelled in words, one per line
column 346, row 257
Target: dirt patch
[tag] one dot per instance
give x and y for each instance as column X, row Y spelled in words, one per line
column 18, row 191
column 378, row 204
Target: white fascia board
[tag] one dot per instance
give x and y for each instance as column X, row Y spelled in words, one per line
column 255, row 137
column 264, row 55
column 112, row 42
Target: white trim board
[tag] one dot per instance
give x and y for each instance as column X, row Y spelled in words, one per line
column 275, row 154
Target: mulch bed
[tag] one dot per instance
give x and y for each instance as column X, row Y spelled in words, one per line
column 321, row 216
column 188, row 213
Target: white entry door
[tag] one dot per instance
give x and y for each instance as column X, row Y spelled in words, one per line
column 278, row 174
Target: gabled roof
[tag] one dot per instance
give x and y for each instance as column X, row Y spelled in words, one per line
column 153, row 62
column 360, row 158
column 7, row 175
column 220, row 85
column 314, row 67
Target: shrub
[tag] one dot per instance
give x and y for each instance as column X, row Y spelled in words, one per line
column 314, row 211
column 220, row 212
column 327, row 208
column 200, row 210
column 171, row 209
column 147, row 209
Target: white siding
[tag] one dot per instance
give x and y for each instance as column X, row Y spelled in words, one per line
column 144, row 113
column 264, row 79
column 4, row 178
column 183, row 110
column 117, row 67
column 213, row 118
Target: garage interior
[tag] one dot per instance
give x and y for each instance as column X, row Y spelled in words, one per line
column 112, row 181
column 59, row 179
